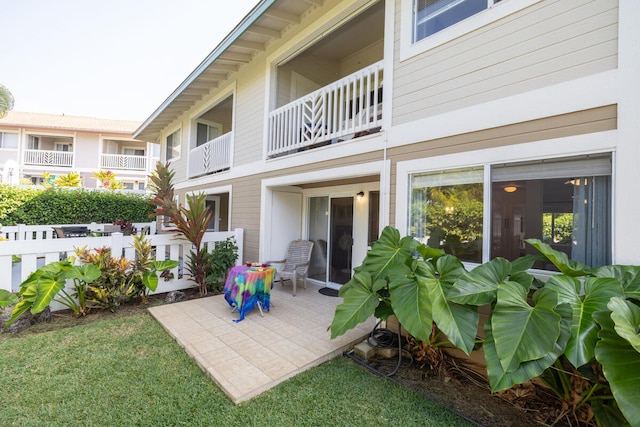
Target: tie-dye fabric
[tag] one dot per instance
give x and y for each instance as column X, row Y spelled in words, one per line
column 246, row 286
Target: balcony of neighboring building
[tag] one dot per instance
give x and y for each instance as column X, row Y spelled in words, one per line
column 330, row 92
column 124, row 155
column 45, row 150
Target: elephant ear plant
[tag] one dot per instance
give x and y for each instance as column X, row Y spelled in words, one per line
column 579, row 332
column 48, row 283
column 7, row 298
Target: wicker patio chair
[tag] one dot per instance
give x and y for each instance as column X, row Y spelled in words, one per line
column 296, row 264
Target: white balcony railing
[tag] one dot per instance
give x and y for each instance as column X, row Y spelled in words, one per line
column 212, row 156
column 347, row 108
column 123, row 161
column 48, row 158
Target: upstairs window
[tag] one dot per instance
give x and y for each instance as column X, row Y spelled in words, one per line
column 8, row 140
column 173, row 145
column 133, row 152
column 431, row 16
column 205, row 133
column 34, row 143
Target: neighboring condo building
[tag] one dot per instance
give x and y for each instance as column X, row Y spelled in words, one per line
column 33, row 143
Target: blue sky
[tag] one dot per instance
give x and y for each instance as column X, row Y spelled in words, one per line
column 114, row 59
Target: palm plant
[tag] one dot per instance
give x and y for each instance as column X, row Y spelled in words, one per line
column 72, row 179
column 108, row 180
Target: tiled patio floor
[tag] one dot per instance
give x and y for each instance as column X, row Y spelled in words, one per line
column 252, row 356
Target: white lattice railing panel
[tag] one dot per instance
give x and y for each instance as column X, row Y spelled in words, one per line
column 341, row 110
column 123, row 161
column 212, row 156
column 48, row 158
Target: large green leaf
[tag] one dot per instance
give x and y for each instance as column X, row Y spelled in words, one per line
column 584, row 330
column 360, row 302
column 480, row 285
column 560, row 259
column 458, row 322
column 626, row 317
column 47, row 289
column 521, row 332
column 27, row 297
column 409, row 296
column 524, row 263
column 166, row 264
column 621, row 367
column 628, row 275
column 150, row 280
column 86, row 273
column 501, row 380
column 7, row 298
column 387, row 252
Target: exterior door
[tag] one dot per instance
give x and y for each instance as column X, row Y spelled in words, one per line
column 213, row 202
column 331, row 231
column 340, row 240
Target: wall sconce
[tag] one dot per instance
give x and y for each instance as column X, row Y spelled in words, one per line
column 510, row 188
column 360, row 195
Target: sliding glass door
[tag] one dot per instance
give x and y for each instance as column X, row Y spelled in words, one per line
column 331, row 231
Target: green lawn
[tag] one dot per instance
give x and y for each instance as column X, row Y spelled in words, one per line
column 129, row 372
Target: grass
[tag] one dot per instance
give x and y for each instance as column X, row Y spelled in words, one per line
column 128, row 371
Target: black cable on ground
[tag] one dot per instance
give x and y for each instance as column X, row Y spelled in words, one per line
column 385, row 338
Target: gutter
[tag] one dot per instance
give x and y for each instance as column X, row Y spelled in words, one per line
column 248, row 20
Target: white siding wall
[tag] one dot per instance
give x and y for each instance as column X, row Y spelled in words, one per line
column 547, row 43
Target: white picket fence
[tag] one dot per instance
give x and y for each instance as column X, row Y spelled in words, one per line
column 36, row 253
column 40, row 232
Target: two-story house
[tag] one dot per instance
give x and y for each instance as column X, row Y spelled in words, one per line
column 34, row 143
column 469, row 124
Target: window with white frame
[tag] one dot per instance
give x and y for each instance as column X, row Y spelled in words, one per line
column 566, row 203
column 431, row 16
column 426, row 24
column 446, row 211
column 173, row 145
column 62, row 146
column 34, row 143
column 8, row 140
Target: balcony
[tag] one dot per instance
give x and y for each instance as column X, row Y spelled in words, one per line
column 211, row 157
column 345, row 109
column 48, row 158
column 123, row 161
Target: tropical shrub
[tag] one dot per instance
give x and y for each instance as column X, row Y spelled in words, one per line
column 583, row 321
column 102, row 281
column 191, row 221
column 219, row 261
column 33, row 206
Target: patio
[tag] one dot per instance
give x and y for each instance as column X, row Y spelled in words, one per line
column 254, row 355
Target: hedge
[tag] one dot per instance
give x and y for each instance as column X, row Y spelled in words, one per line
column 32, row 206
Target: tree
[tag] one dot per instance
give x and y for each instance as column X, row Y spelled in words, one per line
column 6, row 101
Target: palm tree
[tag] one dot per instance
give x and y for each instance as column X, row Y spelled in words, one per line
column 6, row 101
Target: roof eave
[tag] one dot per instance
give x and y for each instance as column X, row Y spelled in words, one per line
column 248, row 20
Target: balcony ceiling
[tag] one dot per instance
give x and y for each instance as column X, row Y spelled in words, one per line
column 262, row 26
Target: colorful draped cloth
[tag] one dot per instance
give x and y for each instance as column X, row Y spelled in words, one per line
column 247, row 286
